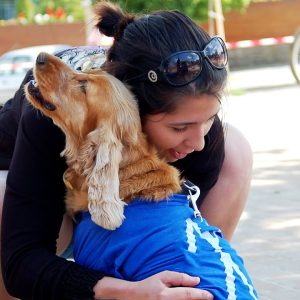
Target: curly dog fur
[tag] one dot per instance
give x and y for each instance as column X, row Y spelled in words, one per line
column 109, row 159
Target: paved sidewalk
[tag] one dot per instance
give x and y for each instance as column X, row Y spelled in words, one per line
column 265, row 105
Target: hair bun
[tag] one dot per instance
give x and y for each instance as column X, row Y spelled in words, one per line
column 111, row 21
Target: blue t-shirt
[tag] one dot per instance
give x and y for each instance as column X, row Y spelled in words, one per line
column 165, row 235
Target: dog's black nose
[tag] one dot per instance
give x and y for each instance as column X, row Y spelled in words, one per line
column 41, row 59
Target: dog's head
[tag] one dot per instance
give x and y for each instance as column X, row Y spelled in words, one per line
column 98, row 115
column 81, row 102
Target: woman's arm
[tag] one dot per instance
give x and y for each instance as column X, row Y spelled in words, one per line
column 32, row 215
column 225, row 202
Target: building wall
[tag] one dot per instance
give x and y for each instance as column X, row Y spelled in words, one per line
column 263, row 20
column 19, row 36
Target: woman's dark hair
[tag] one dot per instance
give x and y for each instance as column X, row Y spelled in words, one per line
column 141, row 43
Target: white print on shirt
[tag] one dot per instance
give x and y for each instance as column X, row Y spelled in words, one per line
column 229, row 264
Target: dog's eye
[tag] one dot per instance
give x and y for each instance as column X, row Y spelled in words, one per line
column 82, row 85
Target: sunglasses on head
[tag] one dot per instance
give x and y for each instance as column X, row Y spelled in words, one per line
column 181, row 68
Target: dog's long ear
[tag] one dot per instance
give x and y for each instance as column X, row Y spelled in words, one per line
column 99, row 160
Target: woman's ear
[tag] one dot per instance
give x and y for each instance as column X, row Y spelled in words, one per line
column 99, row 159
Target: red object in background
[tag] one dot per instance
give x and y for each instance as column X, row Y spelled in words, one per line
column 60, row 13
column 49, row 11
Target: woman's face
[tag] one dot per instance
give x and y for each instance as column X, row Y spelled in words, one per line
column 182, row 131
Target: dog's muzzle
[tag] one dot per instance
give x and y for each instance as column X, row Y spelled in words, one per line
column 34, row 91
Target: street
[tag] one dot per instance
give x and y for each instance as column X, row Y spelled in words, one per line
column 265, row 104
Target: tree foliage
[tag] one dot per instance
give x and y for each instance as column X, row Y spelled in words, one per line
column 71, row 7
column 196, row 9
column 25, row 8
column 57, row 10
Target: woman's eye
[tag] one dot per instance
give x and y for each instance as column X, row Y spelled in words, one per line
column 82, row 85
column 179, row 129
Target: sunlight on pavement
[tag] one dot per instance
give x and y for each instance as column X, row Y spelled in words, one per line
column 284, row 224
column 266, row 182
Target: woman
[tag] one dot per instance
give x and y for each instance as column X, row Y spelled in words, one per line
column 34, row 206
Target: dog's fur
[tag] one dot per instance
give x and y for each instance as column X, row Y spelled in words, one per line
column 109, row 159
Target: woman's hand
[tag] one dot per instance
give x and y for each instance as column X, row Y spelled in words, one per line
column 166, row 285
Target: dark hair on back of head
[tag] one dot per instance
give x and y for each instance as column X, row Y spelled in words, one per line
column 111, row 21
column 140, row 44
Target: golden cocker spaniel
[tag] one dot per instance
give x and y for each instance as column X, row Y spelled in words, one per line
column 109, row 159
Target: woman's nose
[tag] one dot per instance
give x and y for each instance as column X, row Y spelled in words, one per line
column 196, row 140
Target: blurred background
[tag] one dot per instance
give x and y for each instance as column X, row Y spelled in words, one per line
column 258, row 32
column 263, row 101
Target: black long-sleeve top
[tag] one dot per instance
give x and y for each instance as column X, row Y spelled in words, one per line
column 34, row 202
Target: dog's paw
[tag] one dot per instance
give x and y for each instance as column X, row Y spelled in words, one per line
column 108, row 215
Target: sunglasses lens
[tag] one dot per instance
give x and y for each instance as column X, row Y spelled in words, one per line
column 216, row 52
column 182, row 67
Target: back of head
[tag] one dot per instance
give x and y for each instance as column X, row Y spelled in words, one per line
column 142, row 42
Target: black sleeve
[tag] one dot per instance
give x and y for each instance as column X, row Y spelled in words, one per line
column 203, row 167
column 10, row 115
column 32, row 215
